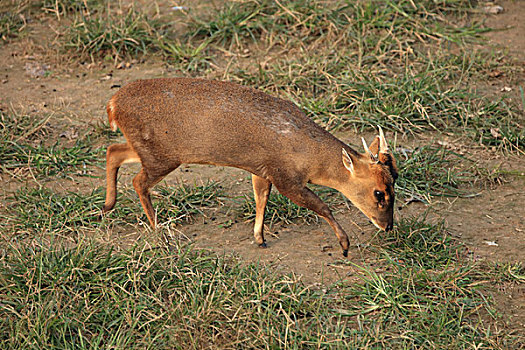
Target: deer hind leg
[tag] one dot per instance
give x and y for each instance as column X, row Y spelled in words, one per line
column 306, row 198
column 143, row 182
column 261, row 190
column 117, row 155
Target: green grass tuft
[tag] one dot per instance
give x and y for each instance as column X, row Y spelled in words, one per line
column 429, row 171
column 185, row 56
column 67, row 7
column 506, row 272
column 411, row 307
column 385, row 23
column 36, row 211
column 90, row 296
column 430, row 296
column 110, row 35
column 46, row 161
column 105, row 34
column 238, row 22
column 19, row 156
column 11, row 25
column 418, row 242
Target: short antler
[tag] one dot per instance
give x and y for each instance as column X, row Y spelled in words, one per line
column 367, row 150
column 383, row 146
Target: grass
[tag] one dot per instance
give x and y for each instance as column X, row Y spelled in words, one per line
column 91, row 295
column 41, row 210
column 104, row 34
column 19, row 126
column 418, row 308
column 430, row 296
column 145, row 298
column 46, row 161
column 429, row 171
column 507, row 272
column 19, row 156
column 11, row 25
column 237, row 22
column 422, row 244
column 185, row 55
column 65, row 7
column 110, row 35
column 182, row 203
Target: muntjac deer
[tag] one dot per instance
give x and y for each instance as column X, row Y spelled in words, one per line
column 168, row 122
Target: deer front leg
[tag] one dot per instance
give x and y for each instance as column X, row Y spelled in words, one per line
column 261, row 190
column 306, row 198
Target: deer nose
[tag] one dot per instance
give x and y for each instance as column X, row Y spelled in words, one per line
column 389, row 227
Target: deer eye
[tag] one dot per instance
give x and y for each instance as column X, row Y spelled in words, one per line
column 380, row 196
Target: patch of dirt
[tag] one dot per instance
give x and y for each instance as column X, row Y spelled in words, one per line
column 493, row 224
column 509, row 27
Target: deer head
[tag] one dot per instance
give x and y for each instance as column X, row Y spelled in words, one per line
column 370, row 183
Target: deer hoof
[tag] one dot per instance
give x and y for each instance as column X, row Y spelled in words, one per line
column 263, row 245
column 345, row 253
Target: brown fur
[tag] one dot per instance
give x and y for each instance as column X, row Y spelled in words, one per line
column 168, row 122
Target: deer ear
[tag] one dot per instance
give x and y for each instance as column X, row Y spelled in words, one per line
column 347, row 162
